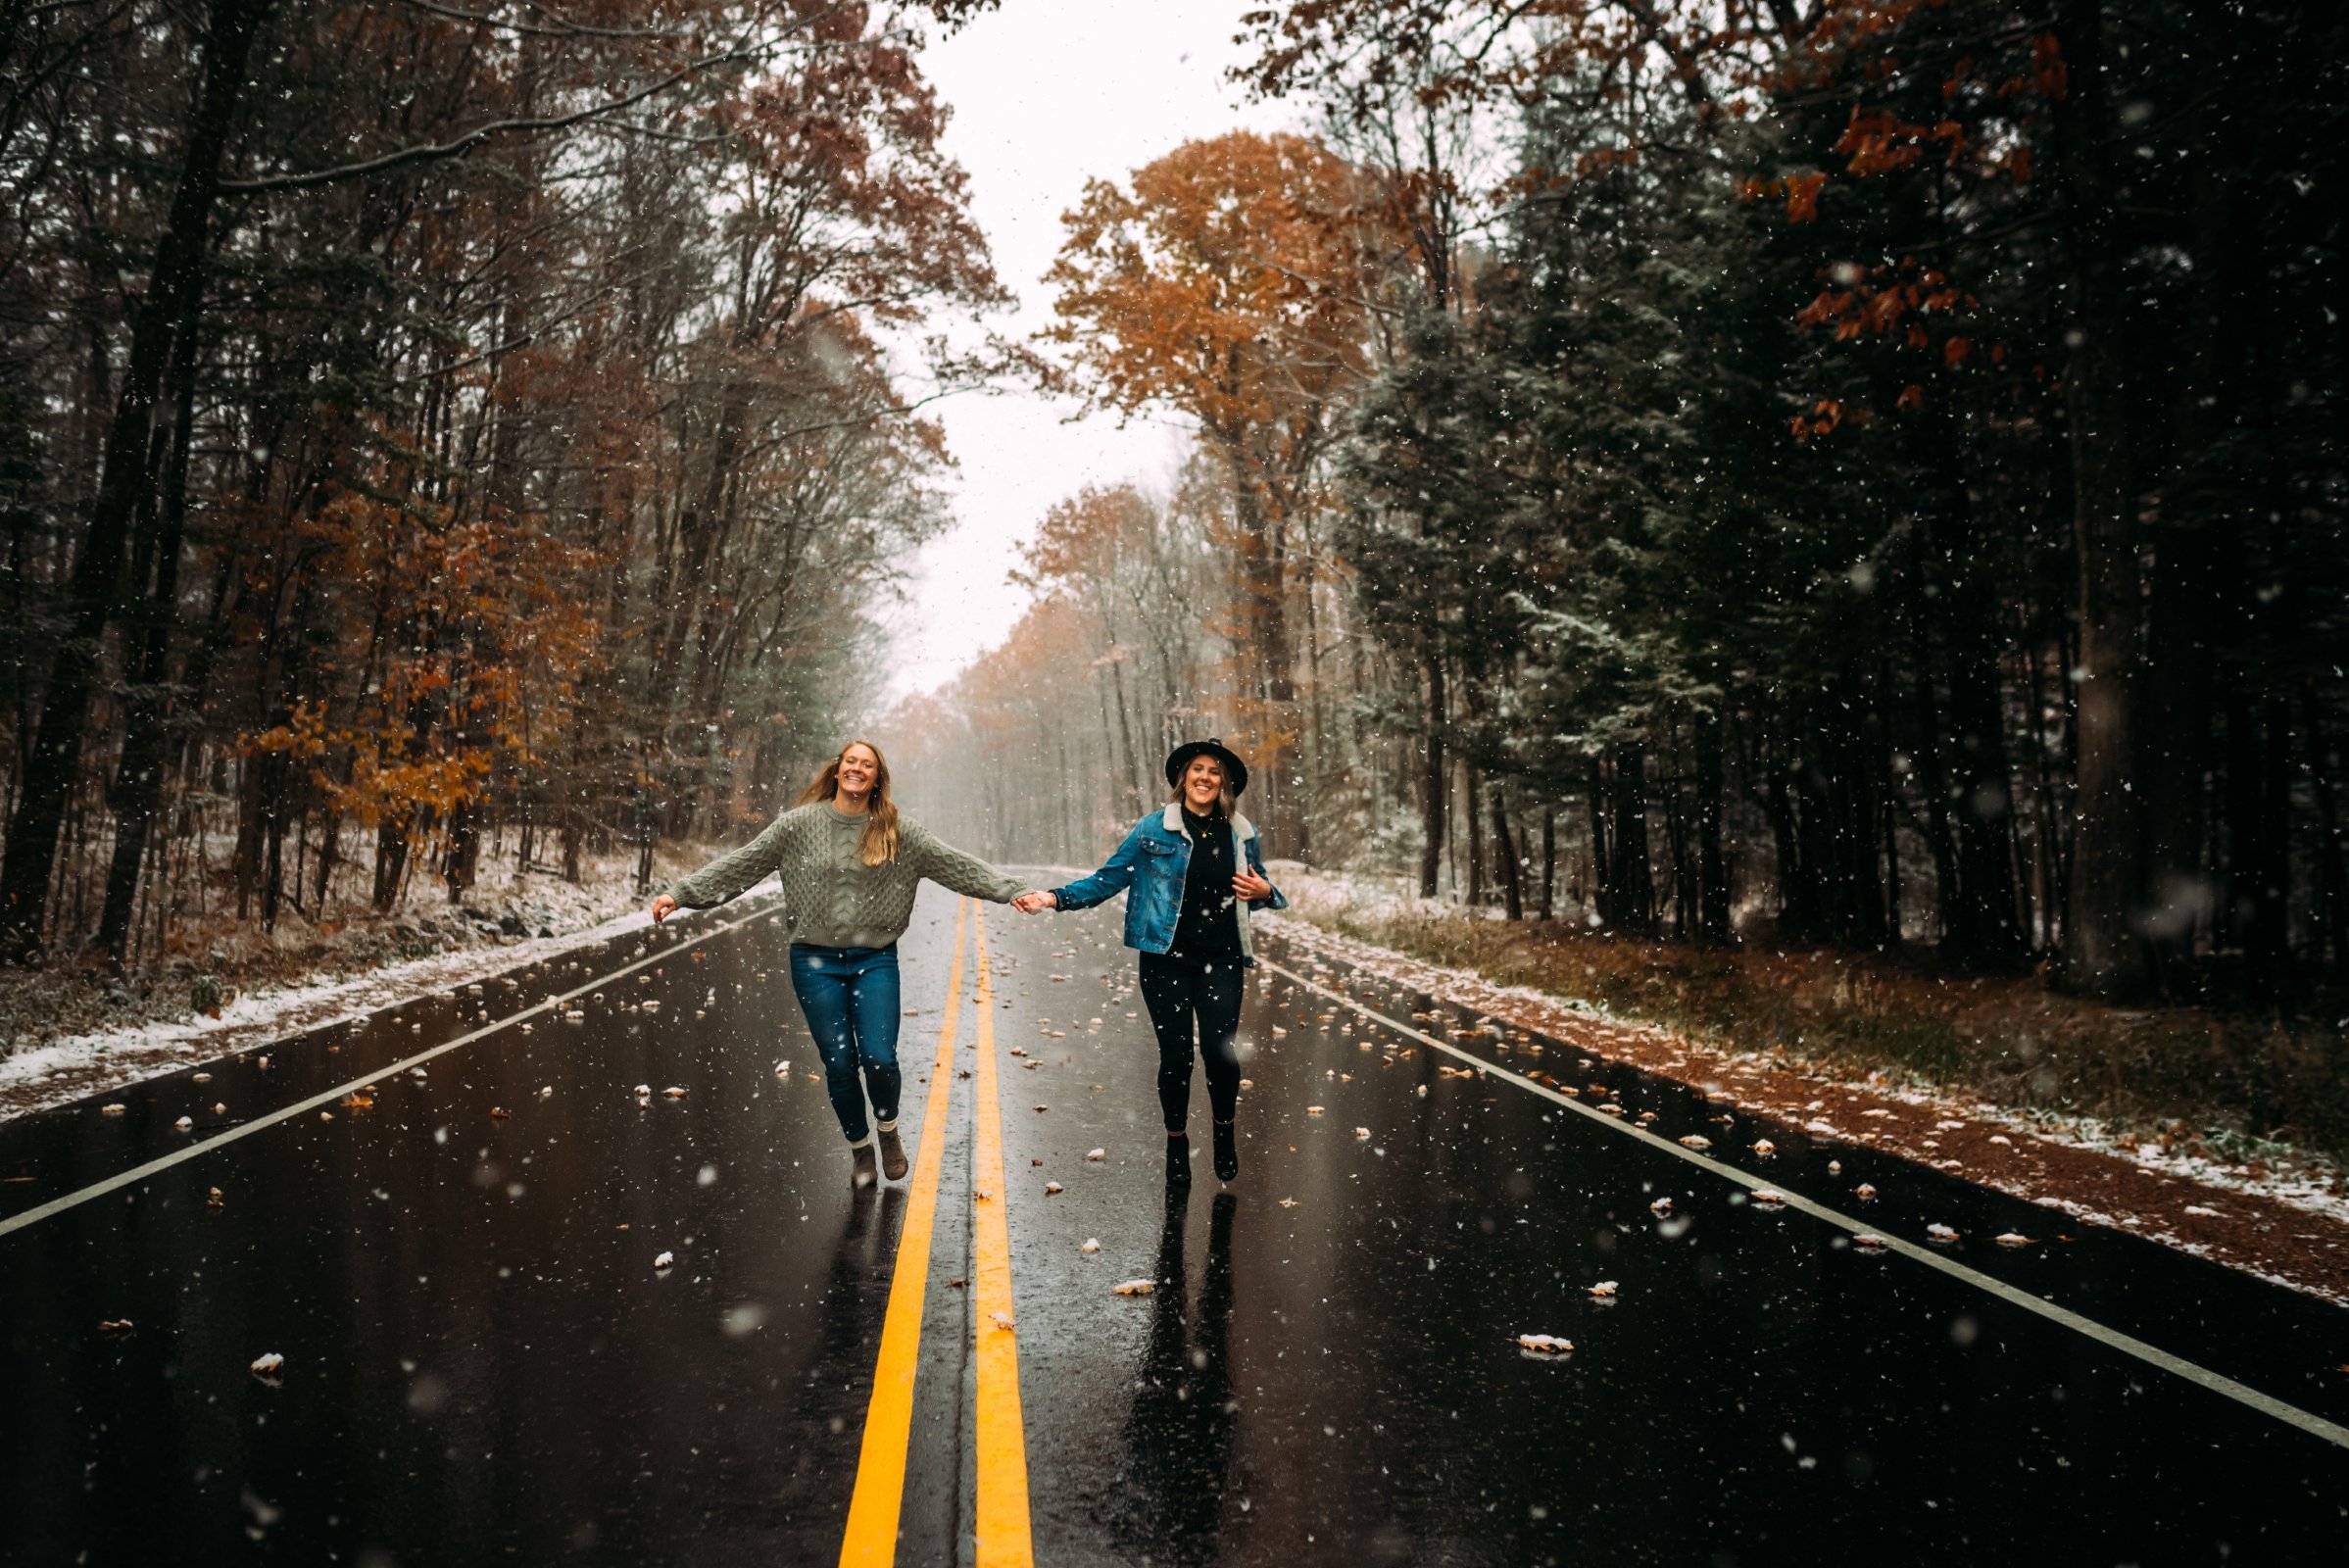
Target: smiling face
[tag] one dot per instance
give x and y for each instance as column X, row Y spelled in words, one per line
column 859, row 765
column 1202, row 784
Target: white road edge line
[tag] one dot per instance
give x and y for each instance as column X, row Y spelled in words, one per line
column 2152, row 1355
column 140, row 1173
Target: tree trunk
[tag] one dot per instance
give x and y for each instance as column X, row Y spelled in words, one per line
column 1712, row 871
column 1135, row 789
column 1476, row 836
column 1602, row 857
column 167, row 314
column 2331, row 946
column 147, row 715
column 1432, row 780
column 1989, row 930
column 2103, row 953
column 1549, row 861
column 1630, row 878
column 1504, row 853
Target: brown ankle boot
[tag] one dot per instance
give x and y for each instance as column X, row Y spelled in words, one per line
column 862, row 1175
column 893, row 1156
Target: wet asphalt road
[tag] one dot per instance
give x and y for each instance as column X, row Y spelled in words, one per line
column 482, row 1364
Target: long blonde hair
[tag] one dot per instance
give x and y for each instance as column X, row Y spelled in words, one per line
column 879, row 845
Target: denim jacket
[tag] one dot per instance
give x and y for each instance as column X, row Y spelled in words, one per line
column 1150, row 866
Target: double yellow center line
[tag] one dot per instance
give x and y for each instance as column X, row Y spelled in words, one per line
column 1000, row 1526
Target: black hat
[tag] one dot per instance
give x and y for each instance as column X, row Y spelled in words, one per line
column 1234, row 771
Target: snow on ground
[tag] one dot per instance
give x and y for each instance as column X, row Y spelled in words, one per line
column 2284, row 1218
column 342, row 982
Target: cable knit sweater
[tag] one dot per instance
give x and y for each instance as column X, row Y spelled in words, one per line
column 830, row 897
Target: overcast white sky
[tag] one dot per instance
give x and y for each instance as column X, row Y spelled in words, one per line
column 1047, row 93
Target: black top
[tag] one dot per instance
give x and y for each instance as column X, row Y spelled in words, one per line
column 1208, row 926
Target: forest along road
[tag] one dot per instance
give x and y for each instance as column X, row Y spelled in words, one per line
column 459, row 1263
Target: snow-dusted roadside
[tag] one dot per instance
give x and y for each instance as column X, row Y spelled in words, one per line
column 67, row 1066
column 2284, row 1219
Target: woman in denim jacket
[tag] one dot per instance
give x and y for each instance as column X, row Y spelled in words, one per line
column 1190, row 874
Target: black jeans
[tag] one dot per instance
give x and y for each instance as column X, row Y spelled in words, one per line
column 1177, row 991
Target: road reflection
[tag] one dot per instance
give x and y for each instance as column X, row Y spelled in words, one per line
column 1182, row 1428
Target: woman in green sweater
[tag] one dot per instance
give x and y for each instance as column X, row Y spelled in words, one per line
column 849, row 867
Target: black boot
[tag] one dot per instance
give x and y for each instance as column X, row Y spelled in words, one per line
column 1178, row 1160
column 1227, row 1152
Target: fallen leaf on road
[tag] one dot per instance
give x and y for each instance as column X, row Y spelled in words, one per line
column 1312, row 1110
column 115, row 1110
column 1051, row 1188
column 269, row 1366
column 1096, row 1153
column 644, row 1091
column 115, row 1325
column 1696, row 1141
column 1136, row 1287
column 1764, row 1198
column 664, row 1260
column 184, row 1123
column 1865, row 1192
column 1940, row 1232
column 1662, row 1205
column 1361, row 1132
column 1044, row 1108
column 1603, row 1288
column 1003, row 1320
column 1544, row 1343
column 498, row 1112
column 1867, row 1241
column 1764, row 1148
column 1288, row 1203
column 215, row 1199
column 673, row 1092
column 1091, row 1245
column 2011, row 1239
column 1610, row 1110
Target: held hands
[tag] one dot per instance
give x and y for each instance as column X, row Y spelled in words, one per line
column 1252, row 887
column 662, row 907
column 1034, row 901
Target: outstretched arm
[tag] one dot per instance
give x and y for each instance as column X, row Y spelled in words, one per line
column 949, row 868
column 1114, row 876
column 728, row 876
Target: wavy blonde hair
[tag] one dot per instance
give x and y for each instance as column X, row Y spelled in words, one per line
column 879, row 845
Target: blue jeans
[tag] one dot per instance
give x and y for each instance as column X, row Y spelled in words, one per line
column 849, row 996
